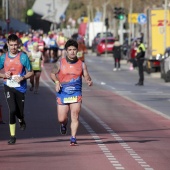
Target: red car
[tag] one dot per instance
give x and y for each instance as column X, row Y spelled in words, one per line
column 104, row 45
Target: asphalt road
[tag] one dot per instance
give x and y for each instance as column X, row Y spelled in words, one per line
column 122, row 126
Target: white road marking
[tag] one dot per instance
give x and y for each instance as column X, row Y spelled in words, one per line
column 103, row 83
column 118, row 138
column 102, row 146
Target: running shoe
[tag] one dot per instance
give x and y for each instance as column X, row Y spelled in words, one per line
column 12, row 140
column 63, row 129
column 73, row 141
column 22, row 124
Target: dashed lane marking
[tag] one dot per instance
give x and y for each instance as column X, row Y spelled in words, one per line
column 132, row 153
column 111, row 158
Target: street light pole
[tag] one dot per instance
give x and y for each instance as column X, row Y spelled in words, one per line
column 104, row 16
column 165, row 22
column 130, row 24
column 7, row 15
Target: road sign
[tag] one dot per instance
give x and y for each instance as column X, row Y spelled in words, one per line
column 142, row 19
column 133, row 18
column 98, row 17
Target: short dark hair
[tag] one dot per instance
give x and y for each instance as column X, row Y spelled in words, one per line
column 71, row 42
column 13, row 37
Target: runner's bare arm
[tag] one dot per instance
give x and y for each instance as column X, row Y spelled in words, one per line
column 42, row 60
column 5, row 75
column 55, row 68
column 54, row 71
column 87, row 76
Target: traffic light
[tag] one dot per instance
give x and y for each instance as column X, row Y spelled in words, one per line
column 119, row 13
column 107, row 23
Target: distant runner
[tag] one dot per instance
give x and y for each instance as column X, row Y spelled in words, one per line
column 37, row 61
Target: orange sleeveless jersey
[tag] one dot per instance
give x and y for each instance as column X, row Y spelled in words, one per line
column 70, row 76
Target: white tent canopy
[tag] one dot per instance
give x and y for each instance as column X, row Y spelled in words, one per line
column 50, row 10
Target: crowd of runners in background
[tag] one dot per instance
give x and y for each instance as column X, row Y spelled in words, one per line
column 50, row 44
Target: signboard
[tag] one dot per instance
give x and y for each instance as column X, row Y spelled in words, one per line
column 133, row 18
column 142, row 19
column 50, row 10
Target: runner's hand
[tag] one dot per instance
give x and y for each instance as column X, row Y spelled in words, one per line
column 57, row 86
column 8, row 74
column 18, row 79
column 89, row 82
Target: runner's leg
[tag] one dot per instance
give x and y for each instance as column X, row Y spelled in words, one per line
column 32, row 82
column 11, row 102
column 75, row 110
column 62, row 111
column 37, row 80
column 20, row 100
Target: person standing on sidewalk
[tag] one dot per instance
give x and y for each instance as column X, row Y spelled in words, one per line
column 15, row 64
column 67, row 75
column 117, row 55
column 140, row 56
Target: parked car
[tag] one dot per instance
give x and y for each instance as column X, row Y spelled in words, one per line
column 165, row 65
column 105, row 44
column 98, row 37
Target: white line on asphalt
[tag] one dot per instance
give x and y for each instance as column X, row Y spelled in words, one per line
column 104, row 148
column 118, row 138
column 147, row 107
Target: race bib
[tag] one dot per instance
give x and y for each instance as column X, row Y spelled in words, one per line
column 80, row 54
column 52, row 43
column 12, row 83
column 70, row 99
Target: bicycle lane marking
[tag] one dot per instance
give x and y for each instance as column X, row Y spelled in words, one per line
column 100, row 143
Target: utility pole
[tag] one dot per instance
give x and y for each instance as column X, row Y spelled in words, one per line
column 7, row 15
column 165, row 22
column 91, row 9
column 104, row 17
column 130, row 24
column 121, row 22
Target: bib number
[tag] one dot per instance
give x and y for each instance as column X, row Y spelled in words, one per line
column 12, row 83
column 80, row 54
column 36, row 64
column 70, row 99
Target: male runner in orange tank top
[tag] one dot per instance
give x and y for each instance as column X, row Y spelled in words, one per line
column 17, row 69
column 67, row 75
